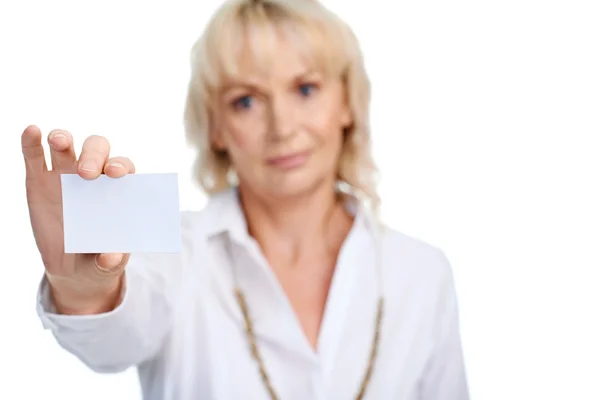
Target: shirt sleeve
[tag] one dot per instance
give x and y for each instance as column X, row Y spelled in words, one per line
column 445, row 377
column 135, row 330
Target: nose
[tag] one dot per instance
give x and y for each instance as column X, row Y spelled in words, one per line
column 282, row 118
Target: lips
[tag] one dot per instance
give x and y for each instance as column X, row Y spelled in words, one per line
column 289, row 161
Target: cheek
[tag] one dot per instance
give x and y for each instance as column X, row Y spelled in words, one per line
column 244, row 149
column 243, row 139
column 325, row 126
column 239, row 141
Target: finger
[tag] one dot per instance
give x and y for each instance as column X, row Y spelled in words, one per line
column 94, row 154
column 62, row 152
column 117, row 167
column 33, row 152
column 111, row 262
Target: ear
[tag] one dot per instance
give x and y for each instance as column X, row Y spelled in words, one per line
column 216, row 140
column 346, row 118
column 215, row 133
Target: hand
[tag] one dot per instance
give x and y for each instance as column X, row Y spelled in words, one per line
column 79, row 282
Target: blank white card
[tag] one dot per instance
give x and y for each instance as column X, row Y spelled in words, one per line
column 133, row 214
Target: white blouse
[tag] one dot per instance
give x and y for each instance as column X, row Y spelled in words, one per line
column 180, row 325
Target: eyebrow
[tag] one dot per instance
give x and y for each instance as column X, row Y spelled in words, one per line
column 235, row 84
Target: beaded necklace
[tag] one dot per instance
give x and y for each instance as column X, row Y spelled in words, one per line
column 256, row 355
column 261, row 365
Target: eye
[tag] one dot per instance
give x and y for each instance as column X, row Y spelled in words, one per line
column 243, row 102
column 306, row 89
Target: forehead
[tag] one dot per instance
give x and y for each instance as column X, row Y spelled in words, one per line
column 272, row 53
column 275, row 50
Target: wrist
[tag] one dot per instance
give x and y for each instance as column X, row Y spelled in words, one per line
column 72, row 297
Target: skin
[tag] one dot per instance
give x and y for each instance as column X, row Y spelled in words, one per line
column 291, row 206
column 79, row 283
column 292, row 212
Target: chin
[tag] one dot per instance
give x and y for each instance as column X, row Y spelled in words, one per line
column 295, row 184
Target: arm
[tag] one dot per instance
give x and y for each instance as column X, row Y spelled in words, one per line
column 130, row 333
column 109, row 320
column 444, row 377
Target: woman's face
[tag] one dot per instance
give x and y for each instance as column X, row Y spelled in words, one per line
column 282, row 129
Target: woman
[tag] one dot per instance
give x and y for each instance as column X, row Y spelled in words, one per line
column 288, row 286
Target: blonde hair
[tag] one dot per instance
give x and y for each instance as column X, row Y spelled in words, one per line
column 333, row 46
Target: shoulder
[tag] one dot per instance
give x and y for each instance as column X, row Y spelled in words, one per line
column 418, row 279
column 407, row 256
column 195, row 230
column 221, row 213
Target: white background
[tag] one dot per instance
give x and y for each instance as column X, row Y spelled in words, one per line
column 486, row 118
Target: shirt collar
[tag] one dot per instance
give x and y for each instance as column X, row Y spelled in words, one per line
column 225, row 215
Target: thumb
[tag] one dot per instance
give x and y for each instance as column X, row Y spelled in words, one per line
column 111, row 262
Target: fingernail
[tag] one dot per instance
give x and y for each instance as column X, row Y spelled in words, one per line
column 88, row 166
column 57, row 137
column 107, row 262
column 116, row 165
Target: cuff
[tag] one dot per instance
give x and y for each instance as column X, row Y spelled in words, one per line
column 46, row 310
